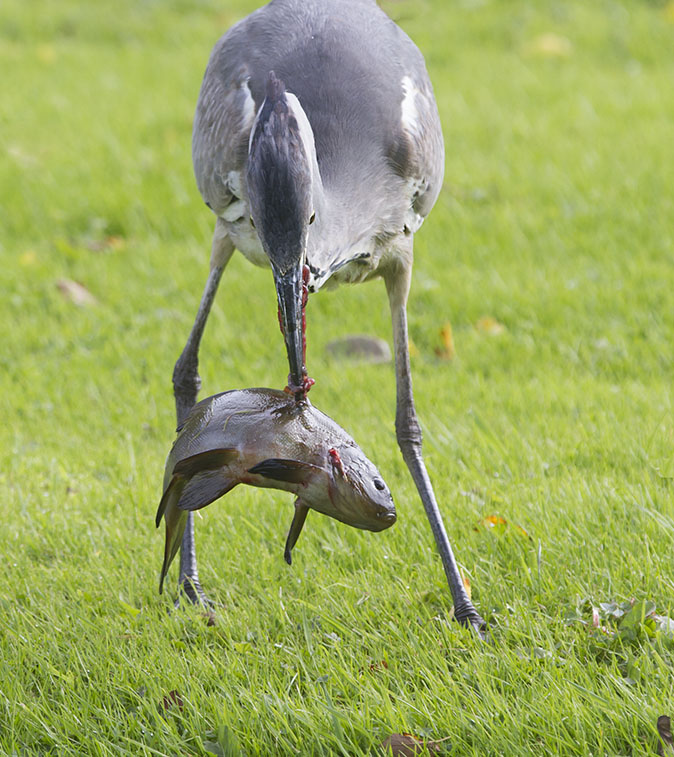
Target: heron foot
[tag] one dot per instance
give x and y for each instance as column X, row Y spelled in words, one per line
column 469, row 618
column 191, row 590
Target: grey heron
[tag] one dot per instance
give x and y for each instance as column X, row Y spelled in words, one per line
column 317, row 145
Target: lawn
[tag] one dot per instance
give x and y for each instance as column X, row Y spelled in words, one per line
column 547, row 420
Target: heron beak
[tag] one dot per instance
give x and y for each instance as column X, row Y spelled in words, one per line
column 289, row 294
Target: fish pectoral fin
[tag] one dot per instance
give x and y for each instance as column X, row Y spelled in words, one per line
column 296, row 526
column 204, row 488
column 212, row 459
column 293, row 471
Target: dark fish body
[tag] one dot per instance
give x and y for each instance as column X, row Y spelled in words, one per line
column 262, row 437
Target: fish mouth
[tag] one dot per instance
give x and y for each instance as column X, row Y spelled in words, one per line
column 383, row 520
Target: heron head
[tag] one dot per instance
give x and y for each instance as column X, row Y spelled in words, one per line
column 279, row 181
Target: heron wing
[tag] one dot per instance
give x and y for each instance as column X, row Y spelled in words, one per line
column 224, row 115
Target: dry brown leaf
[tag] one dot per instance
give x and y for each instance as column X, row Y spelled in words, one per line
column 75, row 292
column 446, row 352
column 551, row 45
column 375, row 666
column 171, row 701
column 491, row 521
column 490, row 325
column 407, row 745
column 666, row 745
column 500, row 525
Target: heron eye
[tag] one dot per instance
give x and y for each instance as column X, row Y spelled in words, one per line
column 252, row 223
column 312, row 218
column 379, row 484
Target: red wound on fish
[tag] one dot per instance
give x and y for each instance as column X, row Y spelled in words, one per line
column 336, row 460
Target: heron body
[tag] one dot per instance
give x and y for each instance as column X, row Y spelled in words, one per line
column 317, row 145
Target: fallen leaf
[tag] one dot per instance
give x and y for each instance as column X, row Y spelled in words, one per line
column 172, row 700
column 523, row 531
column 75, row 293
column 210, row 617
column 490, row 326
column 500, row 526
column 361, row 348
column 493, row 521
column 666, row 745
column 551, row 45
column 446, row 352
column 406, row 745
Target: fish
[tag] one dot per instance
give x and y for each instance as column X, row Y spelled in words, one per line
column 265, row 438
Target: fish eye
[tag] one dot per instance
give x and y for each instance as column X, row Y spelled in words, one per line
column 379, row 484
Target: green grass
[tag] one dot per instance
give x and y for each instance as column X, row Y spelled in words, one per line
column 556, row 220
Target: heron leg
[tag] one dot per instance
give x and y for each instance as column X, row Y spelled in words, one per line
column 186, row 385
column 408, row 433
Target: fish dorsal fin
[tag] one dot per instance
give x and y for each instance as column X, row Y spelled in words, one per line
column 212, row 459
column 292, row 471
column 203, row 489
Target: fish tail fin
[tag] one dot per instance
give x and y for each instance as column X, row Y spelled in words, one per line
column 203, row 489
column 163, row 503
column 175, row 519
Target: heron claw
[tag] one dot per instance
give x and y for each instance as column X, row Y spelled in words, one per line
column 196, row 597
